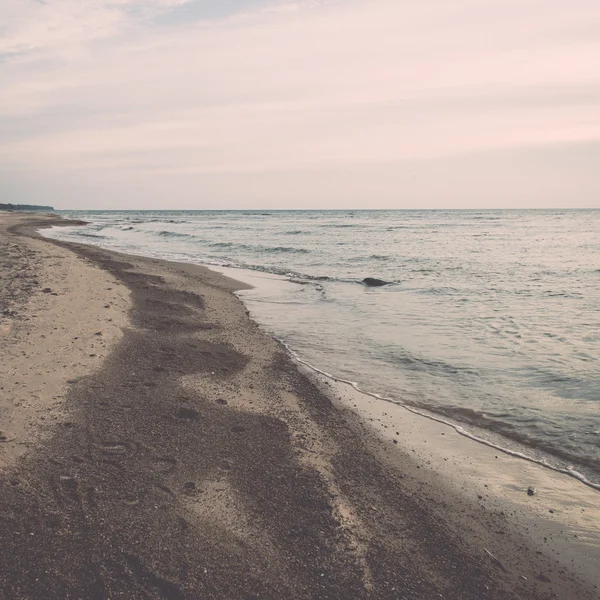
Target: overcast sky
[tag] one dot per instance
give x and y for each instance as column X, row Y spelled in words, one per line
column 300, row 104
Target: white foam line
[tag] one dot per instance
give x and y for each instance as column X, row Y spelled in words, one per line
column 460, row 430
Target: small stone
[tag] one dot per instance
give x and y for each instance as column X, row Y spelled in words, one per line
column 189, row 488
column 530, row 491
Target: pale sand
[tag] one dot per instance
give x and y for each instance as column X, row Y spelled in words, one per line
column 562, row 518
column 67, row 318
column 198, row 462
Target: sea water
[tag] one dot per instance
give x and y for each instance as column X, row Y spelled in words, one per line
column 491, row 319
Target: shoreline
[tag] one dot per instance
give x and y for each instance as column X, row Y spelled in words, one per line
column 475, row 434
column 453, row 424
column 565, row 511
column 296, row 494
column 487, row 433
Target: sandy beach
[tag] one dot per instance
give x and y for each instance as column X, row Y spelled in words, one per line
column 156, row 444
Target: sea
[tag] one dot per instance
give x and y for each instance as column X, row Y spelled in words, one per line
column 490, row 320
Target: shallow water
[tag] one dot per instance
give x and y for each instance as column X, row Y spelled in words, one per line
column 491, row 318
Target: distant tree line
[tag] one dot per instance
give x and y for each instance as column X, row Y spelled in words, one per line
column 24, row 207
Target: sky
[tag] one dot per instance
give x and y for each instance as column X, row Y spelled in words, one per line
column 208, row 104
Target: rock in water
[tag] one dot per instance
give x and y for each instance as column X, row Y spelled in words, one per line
column 372, row 282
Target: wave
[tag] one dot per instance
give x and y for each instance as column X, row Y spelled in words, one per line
column 416, row 363
column 178, row 221
column 174, row 234
column 265, row 249
column 286, row 249
column 90, row 235
column 369, row 257
column 290, row 275
column 228, row 245
column 568, row 470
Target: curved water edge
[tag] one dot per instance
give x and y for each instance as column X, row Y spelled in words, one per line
column 489, row 323
column 458, row 428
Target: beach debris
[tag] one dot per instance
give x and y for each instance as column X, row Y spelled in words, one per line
column 496, row 560
column 189, row 488
column 374, row 282
column 531, row 491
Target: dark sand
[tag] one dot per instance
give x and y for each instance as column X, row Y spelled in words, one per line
column 197, row 462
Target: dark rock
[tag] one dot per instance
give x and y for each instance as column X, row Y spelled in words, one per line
column 530, row 491
column 372, row 282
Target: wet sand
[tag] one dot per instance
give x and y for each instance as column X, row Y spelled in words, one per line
column 190, row 458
